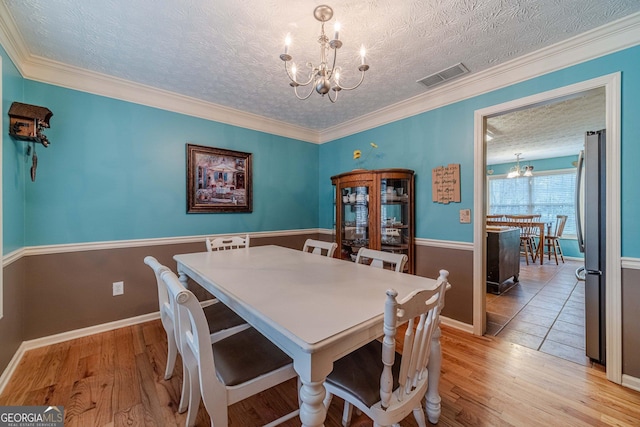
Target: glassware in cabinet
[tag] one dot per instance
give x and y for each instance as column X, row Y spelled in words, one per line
column 374, row 209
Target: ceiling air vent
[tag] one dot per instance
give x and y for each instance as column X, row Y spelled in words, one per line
column 444, row 75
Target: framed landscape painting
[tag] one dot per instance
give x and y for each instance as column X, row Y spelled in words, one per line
column 218, row 180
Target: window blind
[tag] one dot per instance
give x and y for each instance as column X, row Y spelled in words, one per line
column 548, row 193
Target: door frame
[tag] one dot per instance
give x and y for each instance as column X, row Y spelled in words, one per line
column 613, row 307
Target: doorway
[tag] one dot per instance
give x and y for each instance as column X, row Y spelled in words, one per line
column 543, row 306
column 611, row 84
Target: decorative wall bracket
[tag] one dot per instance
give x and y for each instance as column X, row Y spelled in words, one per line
column 26, row 123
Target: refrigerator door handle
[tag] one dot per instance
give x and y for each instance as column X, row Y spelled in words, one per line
column 579, row 202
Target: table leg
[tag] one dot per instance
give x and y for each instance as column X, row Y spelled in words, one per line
column 312, row 409
column 435, row 363
column 183, row 278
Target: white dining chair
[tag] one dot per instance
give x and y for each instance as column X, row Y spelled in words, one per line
column 226, row 242
column 378, row 259
column 229, row 370
column 221, row 322
column 381, row 383
column 319, row 246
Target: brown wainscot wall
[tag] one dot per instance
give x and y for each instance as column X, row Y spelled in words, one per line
column 54, row 293
column 459, row 263
column 50, row 294
column 14, row 301
column 73, row 290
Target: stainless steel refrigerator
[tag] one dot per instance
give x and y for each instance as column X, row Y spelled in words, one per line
column 590, row 222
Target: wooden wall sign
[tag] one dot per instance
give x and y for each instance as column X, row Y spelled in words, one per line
column 445, row 183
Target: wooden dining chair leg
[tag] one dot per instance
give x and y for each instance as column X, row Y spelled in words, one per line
column 559, row 249
column 534, row 249
column 523, row 244
column 532, row 245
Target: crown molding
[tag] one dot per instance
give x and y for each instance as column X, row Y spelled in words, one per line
column 11, row 39
column 44, row 70
column 615, row 36
column 59, row 74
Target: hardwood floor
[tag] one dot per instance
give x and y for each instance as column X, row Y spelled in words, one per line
column 115, row 379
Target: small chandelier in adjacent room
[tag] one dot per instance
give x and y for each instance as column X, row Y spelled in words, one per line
column 516, row 171
column 324, row 77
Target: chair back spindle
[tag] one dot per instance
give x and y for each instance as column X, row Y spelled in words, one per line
column 319, row 246
column 561, row 221
column 422, row 315
column 226, row 243
column 378, row 259
column 403, row 379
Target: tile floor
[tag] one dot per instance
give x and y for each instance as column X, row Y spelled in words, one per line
column 544, row 311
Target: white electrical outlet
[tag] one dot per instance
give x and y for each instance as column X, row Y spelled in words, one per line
column 118, row 288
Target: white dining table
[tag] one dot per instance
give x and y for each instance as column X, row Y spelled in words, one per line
column 315, row 308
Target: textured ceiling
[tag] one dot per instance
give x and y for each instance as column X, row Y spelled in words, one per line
column 554, row 129
column 227, row 51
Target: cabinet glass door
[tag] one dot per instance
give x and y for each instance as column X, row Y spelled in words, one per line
column 355, row 220
column 394, row 215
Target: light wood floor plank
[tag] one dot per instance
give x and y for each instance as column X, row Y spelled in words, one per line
column 115, row 379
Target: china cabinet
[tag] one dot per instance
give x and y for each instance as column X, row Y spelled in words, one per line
column 375, row 209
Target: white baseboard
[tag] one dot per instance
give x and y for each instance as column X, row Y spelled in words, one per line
column 11, row 367
column 456, row 324
column 66, row 336
column 631, row 382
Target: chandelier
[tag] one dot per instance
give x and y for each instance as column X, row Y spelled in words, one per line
column 324, row 77
column 516, row 171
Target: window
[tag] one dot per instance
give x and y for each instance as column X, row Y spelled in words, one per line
column 548, row 193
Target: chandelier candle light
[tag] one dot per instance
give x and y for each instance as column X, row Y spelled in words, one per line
column 325, row 78
column 516, row 171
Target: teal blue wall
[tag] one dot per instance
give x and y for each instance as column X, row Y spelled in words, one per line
column 13, row 165
column 420, row 143
column 117, row 170
column 556, row 163
column 445, row 135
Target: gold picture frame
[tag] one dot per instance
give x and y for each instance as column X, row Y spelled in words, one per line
column 218, row 180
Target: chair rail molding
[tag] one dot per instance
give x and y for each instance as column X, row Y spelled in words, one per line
column 631, row 263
